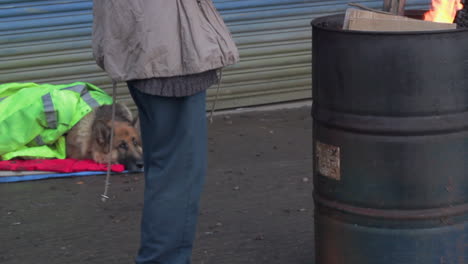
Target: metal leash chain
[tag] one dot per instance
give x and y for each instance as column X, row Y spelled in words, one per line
column 104, row 196
column 217, row 94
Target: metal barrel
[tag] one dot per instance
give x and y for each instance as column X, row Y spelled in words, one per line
column 390, row 115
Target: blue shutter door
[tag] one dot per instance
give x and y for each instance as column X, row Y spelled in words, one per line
column 50, row 42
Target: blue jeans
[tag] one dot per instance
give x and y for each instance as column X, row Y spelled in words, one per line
column 174, row 137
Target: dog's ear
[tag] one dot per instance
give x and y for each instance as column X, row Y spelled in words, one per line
column 136, row 122
column 102, row 131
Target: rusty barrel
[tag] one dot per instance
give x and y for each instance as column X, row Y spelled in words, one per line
column 390, row 137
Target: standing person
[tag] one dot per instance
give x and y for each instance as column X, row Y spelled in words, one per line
column 168, row 52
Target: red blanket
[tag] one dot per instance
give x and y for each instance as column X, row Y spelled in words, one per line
column 57, row 165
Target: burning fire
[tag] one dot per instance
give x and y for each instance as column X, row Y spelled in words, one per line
column 443, row 11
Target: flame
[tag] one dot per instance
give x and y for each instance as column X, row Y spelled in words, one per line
column 443, row 11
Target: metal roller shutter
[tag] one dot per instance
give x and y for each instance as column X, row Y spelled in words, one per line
column 50, row 42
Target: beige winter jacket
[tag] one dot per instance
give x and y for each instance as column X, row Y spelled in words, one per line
column 142, row 39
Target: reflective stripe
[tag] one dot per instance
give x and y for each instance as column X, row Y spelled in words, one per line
column 90, row 100
column 49, row 110
column 81, row 89
column 39, row 141
column 85, row 95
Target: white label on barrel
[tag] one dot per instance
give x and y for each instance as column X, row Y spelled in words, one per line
column 328, row 160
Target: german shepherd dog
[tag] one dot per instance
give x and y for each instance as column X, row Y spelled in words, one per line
column 90, row 137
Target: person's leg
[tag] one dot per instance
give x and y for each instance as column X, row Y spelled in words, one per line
column 174, row 137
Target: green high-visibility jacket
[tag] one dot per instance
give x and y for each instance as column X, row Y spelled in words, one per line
column 35, row 117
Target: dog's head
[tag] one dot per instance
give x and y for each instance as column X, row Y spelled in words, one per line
column 126, row 145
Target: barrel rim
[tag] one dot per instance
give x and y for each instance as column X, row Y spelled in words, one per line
column 316, row 24
column 396, row 214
